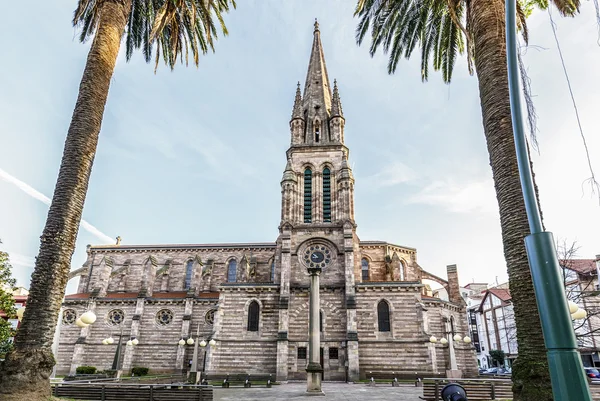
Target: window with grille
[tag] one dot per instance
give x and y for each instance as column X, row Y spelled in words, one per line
column 326, row 195
column 301, row 352
column 232, row 271
column 364, row 267
column 307, row 195
column 253, row 312
column 189, row 269
column 383, row 316
column 333, row 353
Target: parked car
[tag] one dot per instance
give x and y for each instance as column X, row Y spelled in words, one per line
column 497, row 371
column 592, row 373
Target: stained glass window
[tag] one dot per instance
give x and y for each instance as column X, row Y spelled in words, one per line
column 383, row 316
column 232, row 271
column 364, row 267
column 189, row 269
column 253, row 311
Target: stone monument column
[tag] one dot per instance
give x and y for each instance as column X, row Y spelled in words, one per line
column 314, row 369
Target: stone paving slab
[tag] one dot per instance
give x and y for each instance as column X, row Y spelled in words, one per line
column 333, row 392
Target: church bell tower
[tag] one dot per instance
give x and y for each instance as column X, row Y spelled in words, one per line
column 317, row 185
column 317, row 217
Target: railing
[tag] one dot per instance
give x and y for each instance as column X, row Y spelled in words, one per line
column 133, row 392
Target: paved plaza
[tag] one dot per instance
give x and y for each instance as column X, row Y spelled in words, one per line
column 333, row 392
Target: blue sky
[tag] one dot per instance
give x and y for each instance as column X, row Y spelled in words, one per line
column 196, row 155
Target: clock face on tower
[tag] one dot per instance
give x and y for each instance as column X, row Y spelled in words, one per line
column 317, row 256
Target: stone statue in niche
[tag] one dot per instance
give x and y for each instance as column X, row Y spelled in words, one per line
column 389, row 268
column 207, row 269
column 249, row 268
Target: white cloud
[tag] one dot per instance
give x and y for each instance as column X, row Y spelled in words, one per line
column 392, row 174
column 34, row 193
column 21, row 260
column 467, row 197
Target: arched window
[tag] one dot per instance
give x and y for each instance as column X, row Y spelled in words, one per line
column 307, row 195
column 189, row 269
column 317, row 131
column 232, row 271
column 326, row 195
column 383, row 316
column 321, row 321
column 364, row 267
column 253, row 311
column 273, row 271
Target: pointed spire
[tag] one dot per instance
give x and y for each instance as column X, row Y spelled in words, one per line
column 297, row 111
column 288, row 173
column 345, row 171
column 336, row 103
column 317, row 91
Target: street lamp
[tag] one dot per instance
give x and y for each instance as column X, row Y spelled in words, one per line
column 569, row 381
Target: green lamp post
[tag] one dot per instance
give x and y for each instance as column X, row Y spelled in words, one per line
column 569, row 382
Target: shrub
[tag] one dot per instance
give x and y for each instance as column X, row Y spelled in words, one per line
column 139, row 371
column 110, row 373
column 85, row 370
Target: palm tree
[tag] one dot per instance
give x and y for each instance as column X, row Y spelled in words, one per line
column 174, row 28
column 443, row 29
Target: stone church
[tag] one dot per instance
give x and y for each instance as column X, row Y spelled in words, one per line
column 376, row 315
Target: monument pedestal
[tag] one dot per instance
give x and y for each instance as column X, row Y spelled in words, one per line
column 313, row 379
column 454, row 374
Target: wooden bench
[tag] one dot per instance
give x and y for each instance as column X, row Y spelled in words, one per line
column 239, row 378
column 133, row 392
column 477, row 389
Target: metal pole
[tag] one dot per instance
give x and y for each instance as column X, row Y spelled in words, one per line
column 194, row 368
column 569, row 382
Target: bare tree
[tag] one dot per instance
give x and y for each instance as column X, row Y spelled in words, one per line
column 581, row 286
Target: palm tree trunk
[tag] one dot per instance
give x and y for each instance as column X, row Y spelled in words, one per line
column 531, row 378
column 26, row 370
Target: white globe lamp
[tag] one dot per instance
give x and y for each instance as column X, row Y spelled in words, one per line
column 443, row 341
column 457, row 337
column 88, row 317
column 580, row 314
column 105, row 342
column 110, row 340
column 79, row 323
column 181, row 342
column 190, row 341
column 432, row 339
column 212, row 343
column 467, row 339
column 20, row 313
column 202, row 343
column 572, row 307
column 135, row 341
column 129, row 342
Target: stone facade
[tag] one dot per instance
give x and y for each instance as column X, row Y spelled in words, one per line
column 252, row 299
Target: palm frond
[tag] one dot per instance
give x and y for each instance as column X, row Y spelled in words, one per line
column 399, row 26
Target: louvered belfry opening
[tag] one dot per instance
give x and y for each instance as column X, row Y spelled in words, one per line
column 308, row 195
column 326, row 195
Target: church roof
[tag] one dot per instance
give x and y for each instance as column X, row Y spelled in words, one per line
column 152, row 247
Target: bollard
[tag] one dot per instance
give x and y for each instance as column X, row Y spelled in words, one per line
column 269, row 385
